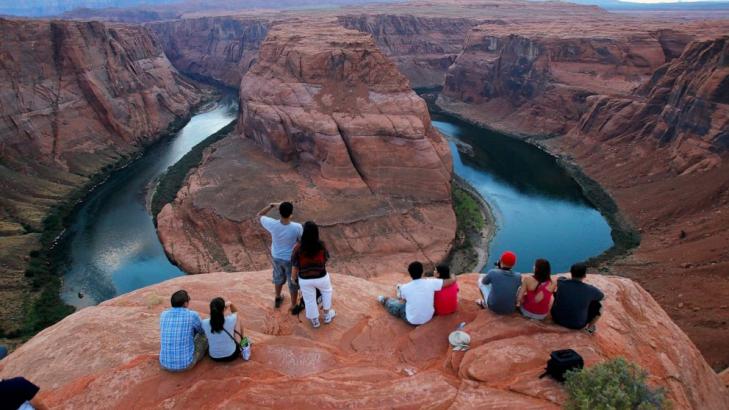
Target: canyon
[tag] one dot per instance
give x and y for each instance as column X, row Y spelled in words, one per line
column 635, row 104
column 85, row 97
column 106, row 355
column 327, row 122
column 522, row 70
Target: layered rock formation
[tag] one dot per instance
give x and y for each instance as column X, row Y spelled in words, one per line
column 106, row 356
column 662, row 154
column 422, row 47
column 221, row 49
column 75, row 98
column 525, row 79
column 328, row 123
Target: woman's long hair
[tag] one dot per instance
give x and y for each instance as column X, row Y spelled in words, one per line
column 217, row 317
column 310, row 243
column 542, row 270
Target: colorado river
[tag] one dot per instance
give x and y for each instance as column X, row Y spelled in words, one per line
column 111, row 245
column 540, row 210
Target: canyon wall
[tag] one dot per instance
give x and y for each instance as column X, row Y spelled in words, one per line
column 533, row 80
column 661, row 152
column 221, row 49
column 75, row 99
column 422, row 47
column 329, row 123
column 106, row 356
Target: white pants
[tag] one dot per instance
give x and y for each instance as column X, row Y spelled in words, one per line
column 308, row 291
column 485, row 289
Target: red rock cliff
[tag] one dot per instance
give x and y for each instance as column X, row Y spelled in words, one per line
column 106, row 356
column 662, row 153
column 216, row 48
column 534, row 78
column 74, row 98
column 328, row 122
column 422, row 47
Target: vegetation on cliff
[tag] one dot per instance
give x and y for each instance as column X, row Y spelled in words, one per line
column 173, row 179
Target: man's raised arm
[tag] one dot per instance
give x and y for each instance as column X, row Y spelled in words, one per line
column 267, row 209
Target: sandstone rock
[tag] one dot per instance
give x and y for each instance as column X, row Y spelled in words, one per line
column 423, row 47
column 334, row 124
column 217, row 48
column 75, row 98
column 106, row 356
column 534, row 80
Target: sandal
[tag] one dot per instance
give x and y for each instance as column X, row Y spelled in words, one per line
column 481, row 303
column 278, row 301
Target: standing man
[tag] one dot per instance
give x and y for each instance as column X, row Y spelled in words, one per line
column 284, row 235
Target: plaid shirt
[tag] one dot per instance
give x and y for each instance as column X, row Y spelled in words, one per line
column 178, row 327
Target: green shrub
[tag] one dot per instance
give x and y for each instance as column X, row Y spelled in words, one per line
column 612, row 385
column 468, row 211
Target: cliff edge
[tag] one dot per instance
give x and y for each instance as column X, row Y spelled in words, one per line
column 106, row 356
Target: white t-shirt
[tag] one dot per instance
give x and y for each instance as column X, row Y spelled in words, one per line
column 221, row 345
column 419, row 295
column 283, row 237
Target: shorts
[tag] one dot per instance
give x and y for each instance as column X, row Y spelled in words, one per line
column 282, row 274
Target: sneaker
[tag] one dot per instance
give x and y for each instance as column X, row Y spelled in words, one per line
column 278, row 301
column 591, row 329
column 330, row 316
column 381, row 299
column 315, row 322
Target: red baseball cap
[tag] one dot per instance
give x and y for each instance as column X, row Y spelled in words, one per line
column 508, row 259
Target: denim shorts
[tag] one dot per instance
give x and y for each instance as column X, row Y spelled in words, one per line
column 282, row 274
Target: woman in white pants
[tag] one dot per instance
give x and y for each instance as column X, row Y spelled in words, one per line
column 309, row 260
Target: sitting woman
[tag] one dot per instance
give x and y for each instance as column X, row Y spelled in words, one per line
column 445, row 300
column 535, row 294
column 221, row 329
column 308, row 261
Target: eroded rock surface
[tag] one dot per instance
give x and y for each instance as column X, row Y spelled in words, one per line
column 661, row 154
column 106, row 356
column 75, row 98
column 327, row 122
column 215, row 48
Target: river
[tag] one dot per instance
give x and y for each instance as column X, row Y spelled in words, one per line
column 112, row 248
column 111, row 245
column 540, row 210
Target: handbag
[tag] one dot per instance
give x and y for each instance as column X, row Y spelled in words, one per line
column 245, row 350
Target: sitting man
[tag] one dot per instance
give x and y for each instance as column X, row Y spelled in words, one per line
column 415, row 302
column 500, row 286
column 577, row 304
column 182, row 341
column 446, row 299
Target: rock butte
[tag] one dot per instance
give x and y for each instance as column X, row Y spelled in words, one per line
column 330, row 119
column 106, row 356
column 83, row 97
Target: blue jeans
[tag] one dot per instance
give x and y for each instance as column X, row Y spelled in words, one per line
column 396, row 307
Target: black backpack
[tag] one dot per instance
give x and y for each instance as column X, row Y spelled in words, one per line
column 560, row 361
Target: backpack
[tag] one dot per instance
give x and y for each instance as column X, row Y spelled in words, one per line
column 301, row 305
column 560, row 361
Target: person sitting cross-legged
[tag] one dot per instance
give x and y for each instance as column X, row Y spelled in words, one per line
column 500, row 286
column 536, row 292
column 415, row 302
column 577, row 305
column 182, row 341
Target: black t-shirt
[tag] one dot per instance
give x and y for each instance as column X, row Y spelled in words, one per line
column 16, row 391
column 571, row 301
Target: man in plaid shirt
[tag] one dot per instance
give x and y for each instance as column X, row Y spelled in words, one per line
column 182, row 341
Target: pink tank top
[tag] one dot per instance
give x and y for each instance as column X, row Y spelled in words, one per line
column 542, row 307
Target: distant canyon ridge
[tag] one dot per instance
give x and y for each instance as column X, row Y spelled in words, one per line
column 639, row 104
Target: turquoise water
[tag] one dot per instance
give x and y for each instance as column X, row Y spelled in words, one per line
column 539, row 209
column 112, row 246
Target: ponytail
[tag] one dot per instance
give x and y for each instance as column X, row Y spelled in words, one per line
column 217, row 319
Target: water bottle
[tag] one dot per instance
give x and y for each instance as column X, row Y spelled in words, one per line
column 245, row 348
